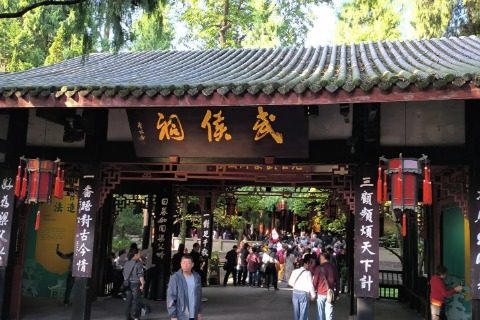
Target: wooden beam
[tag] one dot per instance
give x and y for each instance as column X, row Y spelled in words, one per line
column 323, row 97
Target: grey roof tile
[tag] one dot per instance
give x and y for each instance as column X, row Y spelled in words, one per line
column 435, row 62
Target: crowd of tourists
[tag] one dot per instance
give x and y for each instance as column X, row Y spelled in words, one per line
column 263, row 264
column 260, row 264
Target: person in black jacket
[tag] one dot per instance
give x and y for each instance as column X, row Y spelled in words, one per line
column 177, row 257
column 229, row 266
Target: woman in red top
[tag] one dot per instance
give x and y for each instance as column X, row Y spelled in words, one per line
column 439, row 292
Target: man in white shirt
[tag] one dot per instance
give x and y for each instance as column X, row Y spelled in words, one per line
column 302, row 283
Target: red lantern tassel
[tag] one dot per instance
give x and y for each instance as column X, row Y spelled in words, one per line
column 385, row 190
column 379, row 186
column 425, row 185
column 56, row 190
column 62, row 185
column 429, row 188
column 37, row 221
column 18, row 181
column 404, row 225
column 23, row 192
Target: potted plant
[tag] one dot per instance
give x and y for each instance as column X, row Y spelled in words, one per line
column 214, row 269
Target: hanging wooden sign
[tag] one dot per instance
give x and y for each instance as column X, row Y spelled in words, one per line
column 85, row 234
column 366, row 278
column 234, row 132
column 7, row 199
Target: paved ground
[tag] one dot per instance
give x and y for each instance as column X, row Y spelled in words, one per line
column 224, row 303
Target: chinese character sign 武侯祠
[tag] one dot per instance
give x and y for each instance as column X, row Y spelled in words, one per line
column 7, row 198
column 227, row 132
column 366, row 239
column 84, row 237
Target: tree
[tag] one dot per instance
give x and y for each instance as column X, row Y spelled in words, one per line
column 368, row 20
column 152, row 31
column 437, row 18
column 38, row 32
column 240, row 23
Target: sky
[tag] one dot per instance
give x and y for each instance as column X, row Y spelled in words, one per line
column 324, row 25
column 323, row 31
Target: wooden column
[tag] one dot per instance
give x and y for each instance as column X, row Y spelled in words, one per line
column 472, row 114
column 85, row 249
column 162, row 239
column 366, row 279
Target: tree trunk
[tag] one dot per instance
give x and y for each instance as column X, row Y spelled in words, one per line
column 225, row 25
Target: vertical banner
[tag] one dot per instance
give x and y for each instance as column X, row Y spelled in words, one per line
column 162, row 239
column 366, row 235
column 84, row 236
column 206, row 240
column 7, row 200
column 474, row 220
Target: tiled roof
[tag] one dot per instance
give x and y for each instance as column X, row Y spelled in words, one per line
column 427, row 63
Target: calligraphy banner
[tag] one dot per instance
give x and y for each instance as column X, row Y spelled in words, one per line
column 366, row 276
column 85, row 234
column 233, row 132
column 7, row 200
column 206, row 240
column 162, row 239
column 474, row 221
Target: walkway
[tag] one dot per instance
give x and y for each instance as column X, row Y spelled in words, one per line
column 232, row 303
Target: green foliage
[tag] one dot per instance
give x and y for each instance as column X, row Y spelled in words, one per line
column 152, row 31
column 338, row 225
column 436, row 18
column 49, row 34
column 368, row 20
column 128, row 228
column 241, row 23
column 389, row 240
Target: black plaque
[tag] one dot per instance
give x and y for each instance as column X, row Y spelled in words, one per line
column 7, row 199
column 366, row 235
column 206, row 240
column 85, row 233
column 162, row 239
column 240, row 132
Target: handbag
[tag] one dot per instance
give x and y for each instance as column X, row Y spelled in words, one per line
column 126, row 281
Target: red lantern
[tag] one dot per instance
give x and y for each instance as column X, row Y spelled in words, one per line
column 405, row 173
column 36, row 185
column 40, row 184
